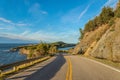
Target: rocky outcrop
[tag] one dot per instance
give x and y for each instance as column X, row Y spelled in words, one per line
column 104, row 42
column 89, row 38
column 29, row 53
column 108, row 46
column 24, row 51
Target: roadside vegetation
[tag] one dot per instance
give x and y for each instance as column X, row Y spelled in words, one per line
column 42, row 49
column 107, row 16
column 99, row 37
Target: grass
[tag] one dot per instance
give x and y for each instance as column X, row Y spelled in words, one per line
column 107, row 62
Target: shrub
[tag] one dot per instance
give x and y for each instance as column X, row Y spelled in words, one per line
column 81, row 33
column 117, row 11
column 111, row 22
column 104, row 17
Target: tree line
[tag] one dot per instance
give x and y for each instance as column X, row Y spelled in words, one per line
column 106, row 16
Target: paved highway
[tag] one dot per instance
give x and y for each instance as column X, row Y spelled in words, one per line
column 68, row 67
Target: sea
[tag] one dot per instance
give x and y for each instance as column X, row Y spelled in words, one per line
column 7, row 57
column 66, row 48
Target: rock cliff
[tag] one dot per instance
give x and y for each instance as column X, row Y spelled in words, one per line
column 108, row 46
column 103, row 42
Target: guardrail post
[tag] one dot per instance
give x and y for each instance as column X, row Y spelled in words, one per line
column 0, row 72
column 15, row 68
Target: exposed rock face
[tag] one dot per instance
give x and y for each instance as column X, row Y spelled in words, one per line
column 29, row 53
column 24, row 51
column 104, row 43
column 108, row 46
column 89, row 38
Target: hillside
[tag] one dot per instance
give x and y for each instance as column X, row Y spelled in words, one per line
column 100, row 37
column 61, row 44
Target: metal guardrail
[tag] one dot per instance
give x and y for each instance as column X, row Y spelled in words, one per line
column 15, row 67
column 9, row 66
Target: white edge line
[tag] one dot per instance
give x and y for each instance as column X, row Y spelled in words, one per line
column 104, row 65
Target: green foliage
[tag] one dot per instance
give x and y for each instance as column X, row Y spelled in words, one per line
column 41, row 49
column 90, row 26
column 106, row 14
column 104, row 17
column 117, row 12
column 52, row 49
column 111, row 22
column 81, row 33
column 30, row 54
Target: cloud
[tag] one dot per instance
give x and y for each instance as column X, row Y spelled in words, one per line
column 22, row 24
column 74, row 15
column 35, row 10
column 83, row 12
column 43, row 12
column 9, row 22
column 4, row 28
column 111, row 3
column 71, row 16
column 68, row 36
column 25, row 33
column 5, row 20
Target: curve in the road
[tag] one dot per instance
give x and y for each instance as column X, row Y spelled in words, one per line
column 69, row 71
column 49, row 71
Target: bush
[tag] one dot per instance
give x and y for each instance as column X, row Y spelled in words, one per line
column 117, row 11
column 106, row 14
column 104, row 17
column 111, row 22
column 81, row 33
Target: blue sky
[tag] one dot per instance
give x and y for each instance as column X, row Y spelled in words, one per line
column 47, row 20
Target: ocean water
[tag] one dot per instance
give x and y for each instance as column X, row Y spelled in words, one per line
column 7, row 57
column 66, row 48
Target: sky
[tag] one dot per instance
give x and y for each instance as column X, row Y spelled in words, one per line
column 47, row 20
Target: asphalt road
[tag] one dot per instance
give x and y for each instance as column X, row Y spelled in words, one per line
column 58, row 67
column 86, row 69
column 52, row 69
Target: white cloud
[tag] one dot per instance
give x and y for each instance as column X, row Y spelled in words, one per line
column 4, row 28
column 22, row 24
column 43, row 12
column 74, row 15
column 25, row 33
column 68, row 36
column 71, row 16
column 35, row 10
column 83, row 12
column 5, row 20
column 11, row 23
column 111, row 3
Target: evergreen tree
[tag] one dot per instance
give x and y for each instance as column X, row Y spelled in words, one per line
column 106, row 14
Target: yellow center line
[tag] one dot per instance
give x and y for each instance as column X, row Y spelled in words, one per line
column 69, row 70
